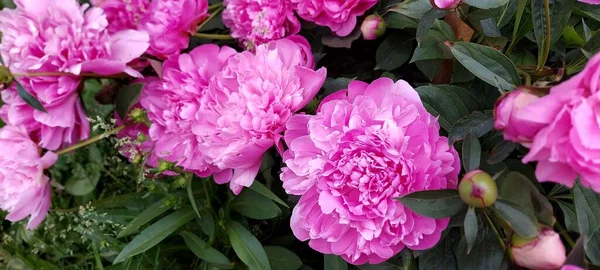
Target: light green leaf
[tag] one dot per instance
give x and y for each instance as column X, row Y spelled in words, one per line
column 471, row 228
column 155, row 210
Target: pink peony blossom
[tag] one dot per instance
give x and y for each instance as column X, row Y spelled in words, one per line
column 170, row 24
column 543, row 253
column 255, row 22
column 123, row 14
column 46, row 35
column 571, row 267
column 173, row 103
column 340, row 16
column 64, row 123
column 24, row 189
column 564, row 125
column 593, row 2
column 508, row 115
column 248, row 105
column 445, row 4
column 364, row 147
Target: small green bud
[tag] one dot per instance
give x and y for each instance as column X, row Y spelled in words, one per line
column 136, row 159
column 478, row 189
column 6, row 77
column 138, row 116
column 141, row 138
column 164, row 166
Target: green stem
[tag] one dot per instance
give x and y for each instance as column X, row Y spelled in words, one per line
column 526, row 75
column 546, row 44
column 217, row 5
column 498, row 236
column 89, row 141
column 213, row 36
column 212, row 15
column 565, row 234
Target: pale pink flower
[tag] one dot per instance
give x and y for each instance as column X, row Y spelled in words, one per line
column 170, row 23
column 543, row 253
column 65, row 122
column 508, row 115
column 339, row 16
column 565, row 126
column 365, row 147
column 172, row 105
column 24, row 189
column 373, row 27
column 123, row 14
column 248, row 105
column 255, row 22
column 445, row 4
column 48, row 35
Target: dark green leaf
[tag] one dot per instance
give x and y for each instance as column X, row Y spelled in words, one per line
column 587, row 205
column 487, row 64
column 486, row 4
column 393, row 52
column 126, row 98
column 549, row 19
column 28, row 98
column 517, row 217
column 477, row 123
column 152, row 212
column 254, row 205
column 578, row 62
column 427, row 20
column 334, row 262
column 281, row 258
column 471, row 228
column 261, row 189
column 207, row 224
column 399, row 21
column 434, row 203
column 190, row 194
column 445, row 102
column 84, row 179
column 570, row 215
column 471, row 153
column 486, row 253
column 577, row 255
column 333, row 85
column 154, row 234
column 247, row 247
column 520, row 190
column 501, row 151
column 203, row 250
column 441, row 257
column 522, row 58
column 413, row 8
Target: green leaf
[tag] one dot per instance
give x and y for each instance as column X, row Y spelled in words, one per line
column 203, row 250
column 485, row 254
column 445, row 102
column 471, row 153
column 570, row 215
column 207, row 224
column 152, row 212
column 334, row 262
column 471, row 228
column 126, row 98
column 393, row 52
column 441, row 257
column 281, row 258
column 520, row 190
column 517, row 217
column 154, row 234
column 487, row 64
column 549, row 19
column 434, row 203
column 486, row 4
column 247, row 247
column 28, row 98
column 578, row 62
column 501, row 151
column 253, row 205
column 399, row 21
column 190, row 194
column 261, row 189
column 572, row 38
column 84, row 179
column 587, row 205
column 427, row 20
column 333, row 85
column 412, row 8
column 477, row 124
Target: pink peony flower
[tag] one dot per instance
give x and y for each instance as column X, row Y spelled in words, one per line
column 543, row 253
column 564, row 125
column 445, row 4
column 364, row 147
column 45, row 35
column 123, row 14
column 593, row 2
column 340, row 16
column 173, row 103
column 170, row 24
column 24, row 189
column 64, row 123
column 248, row 105
column 508, row 117
column 571, row 267
column 255, row 22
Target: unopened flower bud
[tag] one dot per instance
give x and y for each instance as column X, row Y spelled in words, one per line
column 6, row 78
column 546, row 251
column 141, row 138
column 373, row 27
column 138, row 116
column 445, row 4
column 510, row 116
column 164, row 166
column 478, row 189
column 136, row 159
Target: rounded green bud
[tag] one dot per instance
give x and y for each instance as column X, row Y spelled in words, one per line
column 478, row 189
column 138, row 116
column 373, row 27
column 164, row 166
column 141, row 138
column 6, row 77
column 136, row 159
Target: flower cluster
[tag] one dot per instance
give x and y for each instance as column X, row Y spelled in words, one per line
column 559, row 128
column 364, row 147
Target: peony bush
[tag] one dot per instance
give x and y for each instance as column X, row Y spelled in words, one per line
column 299, row 134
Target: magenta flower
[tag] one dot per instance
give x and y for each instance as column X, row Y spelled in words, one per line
column 45, row 35
column 256, row 22
column 364, row 147
column 173, row 103
column 170, row 24
column 340, row 16
column 24, row 189
column 563, row 126
column 445, row 4
column 248, row 105
column 123, row 14
column 65, row 122
column 546, row 251
column 508, row 116
column 593, row 2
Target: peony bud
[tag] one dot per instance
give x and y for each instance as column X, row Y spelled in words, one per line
column 508, row 115
column 6, row 78
column 546, row 251
column 478, row 189
column 445, row 4
column 164, row 166
column 373, row 27
column 138, row 116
